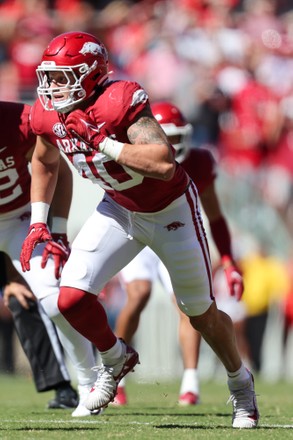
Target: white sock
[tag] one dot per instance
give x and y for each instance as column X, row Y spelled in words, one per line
column 238, row 377
column 190, row 382
column 111, row 356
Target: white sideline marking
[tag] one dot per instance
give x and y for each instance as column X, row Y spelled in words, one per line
column 91, row 422
column 276, row 426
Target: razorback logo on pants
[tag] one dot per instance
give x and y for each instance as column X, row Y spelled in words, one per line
column 175, row 225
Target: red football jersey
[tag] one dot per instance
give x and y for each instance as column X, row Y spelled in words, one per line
column 201, row 167
column 16, row 139
column 115, row 109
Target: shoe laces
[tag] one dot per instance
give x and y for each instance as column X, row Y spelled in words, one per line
column 104, row 376
column 113, row 370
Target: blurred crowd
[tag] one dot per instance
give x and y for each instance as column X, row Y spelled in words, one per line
column 228, row 65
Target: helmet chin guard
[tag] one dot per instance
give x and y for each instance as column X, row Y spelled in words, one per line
column 83, row 61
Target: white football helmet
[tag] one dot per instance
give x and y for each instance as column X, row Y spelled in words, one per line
column 174, row 124
column 83, row 61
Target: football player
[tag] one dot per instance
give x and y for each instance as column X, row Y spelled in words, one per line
column 108, row 132
column 140, row 274
column 17, row 143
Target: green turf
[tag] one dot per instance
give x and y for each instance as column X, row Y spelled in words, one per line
column 152, row 413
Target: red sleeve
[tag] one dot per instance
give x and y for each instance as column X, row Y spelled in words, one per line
column 221, row 236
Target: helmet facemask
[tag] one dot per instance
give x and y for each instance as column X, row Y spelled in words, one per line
column 175, row 126
column 180, row 138
column 79, row 62
column 74, row 77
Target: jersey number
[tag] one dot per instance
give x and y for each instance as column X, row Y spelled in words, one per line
column 9, row 176
column 102, row 172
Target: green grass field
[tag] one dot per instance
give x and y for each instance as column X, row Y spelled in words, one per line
column 152, row 413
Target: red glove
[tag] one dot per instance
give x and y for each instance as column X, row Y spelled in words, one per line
column 79, row 124
column 234, row 277
column 37, row 233
column 59, row 249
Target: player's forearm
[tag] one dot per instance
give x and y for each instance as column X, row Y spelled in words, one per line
column 151, row 160
column 63, row 193
column 45, row 167
column 44, row 179
column 43, row 183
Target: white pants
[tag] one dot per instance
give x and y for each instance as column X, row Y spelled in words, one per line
column 113, row 236
column 147, row 266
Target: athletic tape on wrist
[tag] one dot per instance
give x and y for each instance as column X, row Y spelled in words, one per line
column 39, row 212
column 111, row 148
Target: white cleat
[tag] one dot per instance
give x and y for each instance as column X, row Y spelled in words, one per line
column 81, row 410
column 245, row 411
column 105, row 388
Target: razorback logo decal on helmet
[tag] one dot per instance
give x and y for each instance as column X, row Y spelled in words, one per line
column 93, row 48
column 80, row 63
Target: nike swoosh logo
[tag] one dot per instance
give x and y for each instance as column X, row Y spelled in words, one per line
column 95, row 128
column 2, row 149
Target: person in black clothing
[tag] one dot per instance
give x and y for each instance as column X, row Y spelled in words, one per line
column 37, row 334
